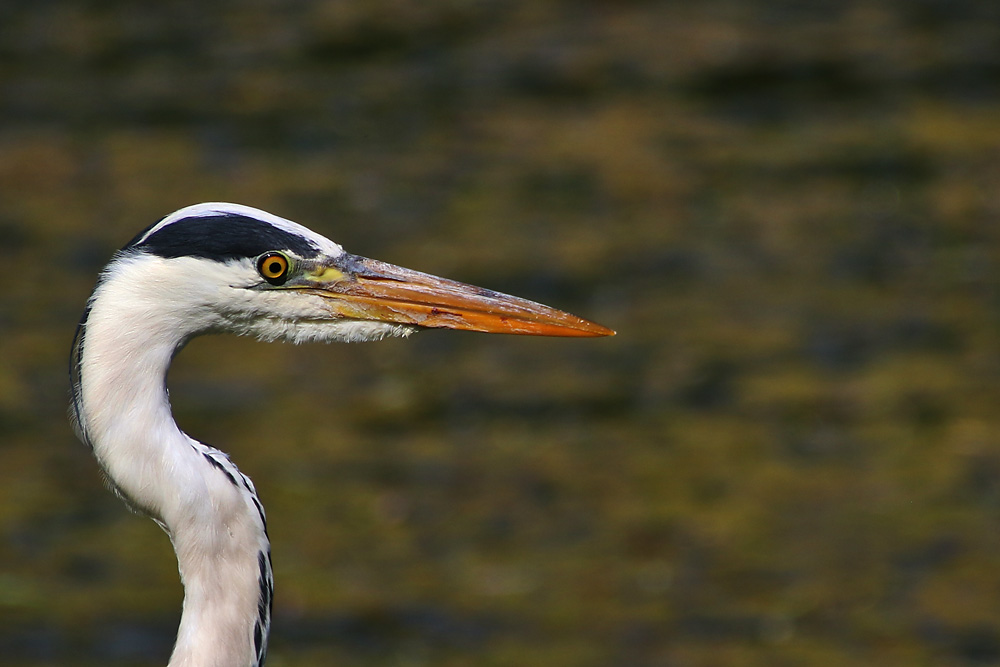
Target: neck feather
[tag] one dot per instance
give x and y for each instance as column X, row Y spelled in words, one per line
column 208, row 508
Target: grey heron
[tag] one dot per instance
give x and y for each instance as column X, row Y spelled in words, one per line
column 213, row 268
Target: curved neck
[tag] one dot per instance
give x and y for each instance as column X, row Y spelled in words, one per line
column 208, row 508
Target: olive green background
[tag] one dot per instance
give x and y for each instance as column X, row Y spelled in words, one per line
column 789, row 211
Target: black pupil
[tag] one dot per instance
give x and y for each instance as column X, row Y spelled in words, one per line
column 274, row 268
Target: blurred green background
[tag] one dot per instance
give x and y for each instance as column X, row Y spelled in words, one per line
column 788, row 210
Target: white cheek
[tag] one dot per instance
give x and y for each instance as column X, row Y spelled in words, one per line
column 300, row 318
column 349, row 331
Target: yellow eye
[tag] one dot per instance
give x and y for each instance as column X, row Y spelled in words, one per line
column 273, row 267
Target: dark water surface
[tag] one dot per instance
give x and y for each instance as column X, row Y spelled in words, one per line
column 789, row 211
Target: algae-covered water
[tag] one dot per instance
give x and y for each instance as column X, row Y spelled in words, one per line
column 788, row 455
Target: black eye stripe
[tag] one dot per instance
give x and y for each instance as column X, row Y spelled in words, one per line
column 221, row 237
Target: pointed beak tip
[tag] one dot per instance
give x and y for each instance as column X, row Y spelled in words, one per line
column 577, row 329
column 592, row 330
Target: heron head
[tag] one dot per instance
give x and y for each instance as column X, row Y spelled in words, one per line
column 226, row 267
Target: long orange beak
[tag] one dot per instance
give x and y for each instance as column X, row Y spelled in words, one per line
column 367, row 289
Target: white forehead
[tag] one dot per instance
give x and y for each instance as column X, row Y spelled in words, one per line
column 208, row 209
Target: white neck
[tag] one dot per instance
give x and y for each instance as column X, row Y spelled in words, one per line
column 207, row 507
